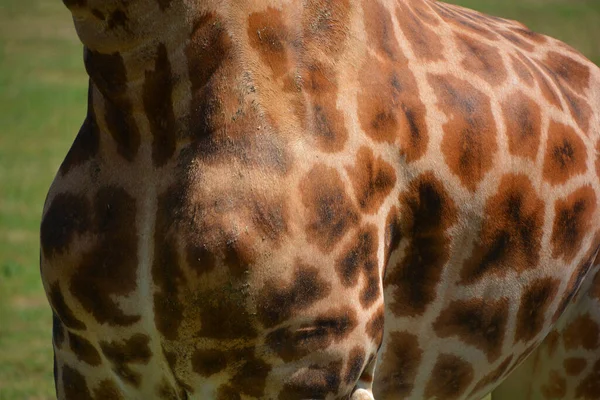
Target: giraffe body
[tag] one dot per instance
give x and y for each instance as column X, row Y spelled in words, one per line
column 325, row 199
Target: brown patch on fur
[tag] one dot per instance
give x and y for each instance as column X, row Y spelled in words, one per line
column 355, row 364
column 572, row 222
column 523, row 119
column 268, row 35
column 477, row 322
column 399, row 366
column 556, row 388
column 326, row 25
column 134, row 350
column 450, row 377
column 481, row 59
column 316, row 381
column 294, row 342
column 566, row 154
column 360, row 258
column 67, row 217
column 469, row 141
column 375, row 325
column 74, row 384
column 110, row 268
column 373, row 180
column 522, row 71
column 427, row 211
column 87, row 142
column 589, row 388
column 393, row 235
column 551, row 342
column 108, row 74
column 574, row 365
column 158, row 106
column 277, row 301
column 208, row 362
column 84, row 349
column 510, row 237
column 424, row 41
column 330, row 212
column 62, row 309
column 493, row 377
column 328, row 125
column 534, row 304
column 570, row 71
column 582, row 332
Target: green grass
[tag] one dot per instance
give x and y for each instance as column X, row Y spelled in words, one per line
column 42, row 102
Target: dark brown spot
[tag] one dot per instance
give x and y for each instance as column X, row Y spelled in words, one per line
column 573, row 217
column 570, row 71
column 158, row 106
column 208, row 362
column 566, row 155
column 493, row 377
column 556, row 388
column 582, row 332
column 465, row 20
column 534, row 304
column 380, row 29
column 87, row 142
column 164, row 4
column 469, row 141
column 58, row 331
column 207, row 52
column 108, row 74
column 523, row 120
column 450, row 377
column 551, row 342
column 427, row 211
column 110, row 268
column 481, row 59
column 478, row 322
column 373, row 180
column 121, row 354
column 84, row 349
column 390, row 109
column 108, row 390
column 517, row 41
column 399, row 366
column 522, row 71
column 293, row 343
column 574, row 365
column 269, row 35
column 511, row 233
column 328, row 125
column 74, row 384
column 314, row 382
column 326, row 24
column 329, row 210
column 589, row 388
column 360, row 258
column 278, row 301
column 62, row 309
column 393, row 235
column 67, row 217
column 375, row 326
column 424, row 41
column 166, row 391
column 354, row 367
column 226, row 392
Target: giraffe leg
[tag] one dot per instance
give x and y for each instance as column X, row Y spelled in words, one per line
column 566, row 365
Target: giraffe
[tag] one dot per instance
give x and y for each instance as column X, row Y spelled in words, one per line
column 325, row 199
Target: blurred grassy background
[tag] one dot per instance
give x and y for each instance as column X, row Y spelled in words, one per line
column 42, row 103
